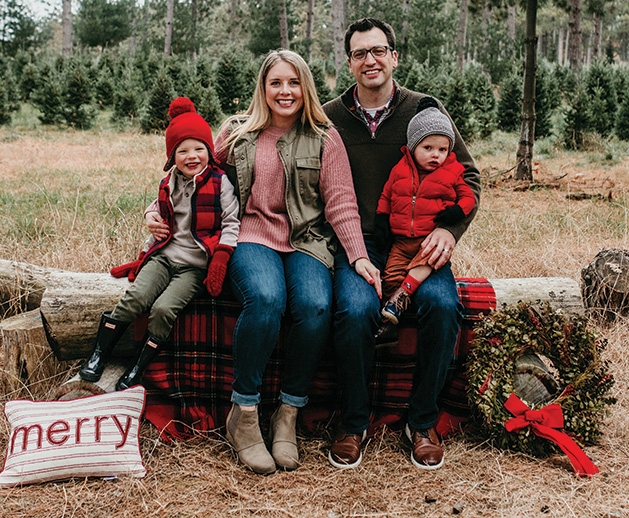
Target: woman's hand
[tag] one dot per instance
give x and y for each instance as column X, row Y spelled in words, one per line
column 438, row 247
column 156, row 225
column 370, row 273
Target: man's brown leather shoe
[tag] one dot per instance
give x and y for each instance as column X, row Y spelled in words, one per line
column 426, row 452
column 346, row 450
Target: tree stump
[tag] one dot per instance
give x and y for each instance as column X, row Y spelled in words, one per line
column 30, row 367
column 605, row 284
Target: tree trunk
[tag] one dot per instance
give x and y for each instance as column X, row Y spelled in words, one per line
column 338, row 30
column 233, row 12
column 511, row 16
column 194, row 13
column 524, row 167
column 170, row 16
column 560, row 60
column 66, row 28
column 284, row 41
column 597, row 35
column 575, row 43
column 461, row 35
column 310, row 27
column 403, row 38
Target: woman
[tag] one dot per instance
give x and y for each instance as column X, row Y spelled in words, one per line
column 292, row 176
column 293, row 180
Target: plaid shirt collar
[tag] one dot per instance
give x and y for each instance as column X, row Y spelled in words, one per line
column 373, row 121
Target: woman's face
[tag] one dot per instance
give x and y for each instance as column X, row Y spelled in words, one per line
column 283, row 94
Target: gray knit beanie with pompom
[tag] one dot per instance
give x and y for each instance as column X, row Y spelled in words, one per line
column 428, row 121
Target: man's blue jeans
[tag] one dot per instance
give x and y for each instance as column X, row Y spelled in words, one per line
column 267, row 283
column 355, row 322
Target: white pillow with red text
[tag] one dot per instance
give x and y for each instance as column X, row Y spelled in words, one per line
column 95, row 436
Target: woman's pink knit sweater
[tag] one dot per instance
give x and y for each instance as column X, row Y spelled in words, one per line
column 265, row 220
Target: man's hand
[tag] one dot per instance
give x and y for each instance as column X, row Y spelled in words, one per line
column 370, row 273
column 438, row 247
column 156, row 225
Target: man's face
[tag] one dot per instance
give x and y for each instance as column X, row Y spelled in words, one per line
column 371, row 73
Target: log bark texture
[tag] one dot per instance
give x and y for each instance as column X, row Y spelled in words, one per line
column 71, row 303
column 71, row 307
column 29, row 365
column 21, row 286
column 605, row 284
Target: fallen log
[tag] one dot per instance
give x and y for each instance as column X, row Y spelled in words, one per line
column 29, row 365
column 71, row 303
column 71, row 308
column 21, row 286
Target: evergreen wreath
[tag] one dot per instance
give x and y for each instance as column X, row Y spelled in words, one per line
column 573, row 350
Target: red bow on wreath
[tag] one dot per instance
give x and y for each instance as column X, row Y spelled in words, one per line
column 544, row 423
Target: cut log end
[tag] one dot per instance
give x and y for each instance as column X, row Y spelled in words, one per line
column 605, row 284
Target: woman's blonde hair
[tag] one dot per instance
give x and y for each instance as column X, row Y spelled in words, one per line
column 259, row 112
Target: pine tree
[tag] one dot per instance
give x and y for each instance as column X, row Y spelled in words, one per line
column 78, row 110
column 481, row 94
column 28, row 81
column 544, row 102
column 510, row 103
column 323, row 90
column 231, row 80
column 343, row 81
column 622, row 120
column 603, row 101
column 126, row 100
column 5, row 108
column 104, row 90
column 210, row 107
column 459, row 106
column 577, row 120
column 47, row 96
column 155, row 117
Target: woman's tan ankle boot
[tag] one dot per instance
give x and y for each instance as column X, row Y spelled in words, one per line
column 243, row 433
column 283, row 424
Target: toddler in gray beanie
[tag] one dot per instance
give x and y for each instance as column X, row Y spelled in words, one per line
column 428, row 121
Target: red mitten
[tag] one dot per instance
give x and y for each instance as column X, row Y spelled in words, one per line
column 129, row 270
column 217, row 269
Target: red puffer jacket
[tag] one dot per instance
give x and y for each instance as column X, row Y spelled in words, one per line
column 413, row 200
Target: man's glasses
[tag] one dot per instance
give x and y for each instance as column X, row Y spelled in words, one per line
column 379, row 51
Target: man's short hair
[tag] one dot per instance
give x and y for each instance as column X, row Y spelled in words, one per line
column 366, row 24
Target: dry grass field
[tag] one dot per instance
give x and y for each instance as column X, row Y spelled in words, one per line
column 73, row 200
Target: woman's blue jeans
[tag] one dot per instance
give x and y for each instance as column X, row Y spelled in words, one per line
column 268, row 283
column 355, row 321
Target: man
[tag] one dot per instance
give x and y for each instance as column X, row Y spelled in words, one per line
column 372, row 117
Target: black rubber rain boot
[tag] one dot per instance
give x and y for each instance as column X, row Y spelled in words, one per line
column 133, row 374
column 109, row 332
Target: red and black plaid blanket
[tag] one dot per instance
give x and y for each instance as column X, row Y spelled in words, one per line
column 189, row 384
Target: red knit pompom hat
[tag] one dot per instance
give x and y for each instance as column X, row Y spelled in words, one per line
column 185, row 123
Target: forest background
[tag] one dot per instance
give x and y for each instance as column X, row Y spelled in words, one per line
column 83, row 104
column 71, row 60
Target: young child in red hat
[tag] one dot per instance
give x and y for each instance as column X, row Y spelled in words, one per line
column 197, row 203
